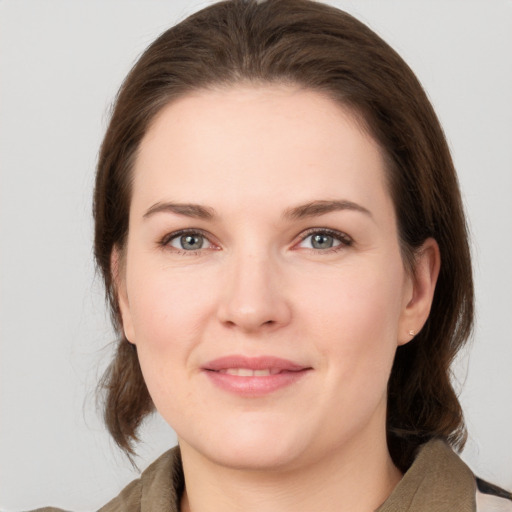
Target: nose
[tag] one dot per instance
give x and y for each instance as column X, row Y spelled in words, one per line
column 254, row 296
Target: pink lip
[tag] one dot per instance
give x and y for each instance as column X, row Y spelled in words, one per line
column 287, row 374
column 253, row 363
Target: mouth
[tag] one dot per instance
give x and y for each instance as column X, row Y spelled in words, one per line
column 254, row 376
column 247, row 372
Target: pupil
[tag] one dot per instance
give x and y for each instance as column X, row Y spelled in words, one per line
column 322, row 241
column 191, row 242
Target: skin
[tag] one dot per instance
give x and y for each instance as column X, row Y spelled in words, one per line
column 259, row 286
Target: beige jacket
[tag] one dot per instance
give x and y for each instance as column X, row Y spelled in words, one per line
column 437, row 481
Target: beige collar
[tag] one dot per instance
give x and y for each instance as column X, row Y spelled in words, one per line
column 438, row 481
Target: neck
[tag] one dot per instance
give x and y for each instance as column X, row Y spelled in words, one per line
column 355, row 478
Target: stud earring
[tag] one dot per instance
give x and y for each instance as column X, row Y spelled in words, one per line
column 412, row 333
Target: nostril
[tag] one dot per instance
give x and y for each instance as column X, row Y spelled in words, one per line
column 252, row 313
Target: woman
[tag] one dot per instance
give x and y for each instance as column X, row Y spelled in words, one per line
column 280, row 230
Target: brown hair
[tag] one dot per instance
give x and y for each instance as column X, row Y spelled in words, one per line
column 324, row 49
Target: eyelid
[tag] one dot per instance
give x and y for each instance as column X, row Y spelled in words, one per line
column 164, row 242
column 344, row 239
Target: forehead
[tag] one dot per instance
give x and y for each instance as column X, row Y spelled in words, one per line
column 256, row 143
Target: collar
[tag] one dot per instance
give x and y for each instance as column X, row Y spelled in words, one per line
column 437, row 481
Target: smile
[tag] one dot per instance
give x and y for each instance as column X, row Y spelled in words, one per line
column 254, row 376
column 247, row 372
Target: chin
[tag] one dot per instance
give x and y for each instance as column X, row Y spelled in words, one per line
column 250, row 448
column 254, row 457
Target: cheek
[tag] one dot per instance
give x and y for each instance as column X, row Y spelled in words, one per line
column 359, row 299
column 169, row 320
column 168, row 309
column 353, row 316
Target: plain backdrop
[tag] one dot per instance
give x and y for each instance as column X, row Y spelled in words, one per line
column 61, row 63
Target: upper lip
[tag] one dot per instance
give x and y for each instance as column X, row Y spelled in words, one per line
column 253, row 363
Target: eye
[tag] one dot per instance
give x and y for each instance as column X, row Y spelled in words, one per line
column 187, row 241
column 325, row 239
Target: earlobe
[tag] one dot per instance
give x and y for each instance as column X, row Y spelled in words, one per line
column 420, row 292
column 117, row 267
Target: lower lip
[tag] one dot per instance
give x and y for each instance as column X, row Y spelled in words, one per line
column 256, row 385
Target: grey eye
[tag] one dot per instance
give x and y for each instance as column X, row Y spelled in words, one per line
column 322, row 241
column 189, row 242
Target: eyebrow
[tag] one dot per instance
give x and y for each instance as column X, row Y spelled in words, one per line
column 195, row 211
column 315, row 208
column 311, row 209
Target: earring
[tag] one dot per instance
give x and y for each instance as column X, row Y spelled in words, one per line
column 412, row 332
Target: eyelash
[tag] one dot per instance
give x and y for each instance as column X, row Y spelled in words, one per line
column 167, row 239
column 343, row 238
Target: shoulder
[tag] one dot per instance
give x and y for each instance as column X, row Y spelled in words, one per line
column 128, row 500
column 439, row 480
column 157, row 490
column 490, row 498
column 48, row 509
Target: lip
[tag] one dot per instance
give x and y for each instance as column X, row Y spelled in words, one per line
column 284, row 373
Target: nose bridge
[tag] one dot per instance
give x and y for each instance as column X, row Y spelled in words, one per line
column 253, row 296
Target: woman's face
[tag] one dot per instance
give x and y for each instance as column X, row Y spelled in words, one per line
column 262, row 281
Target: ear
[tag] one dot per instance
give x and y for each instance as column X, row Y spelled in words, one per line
column 118, row 269
column 419, row 291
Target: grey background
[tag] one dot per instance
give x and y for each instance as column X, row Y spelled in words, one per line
column 61, row 63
